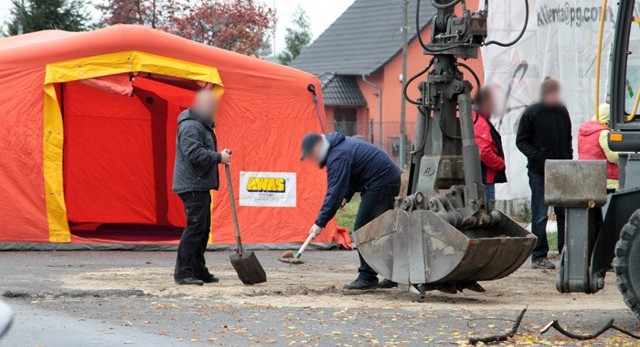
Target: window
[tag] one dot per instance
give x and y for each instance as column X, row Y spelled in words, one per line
column 345, row 120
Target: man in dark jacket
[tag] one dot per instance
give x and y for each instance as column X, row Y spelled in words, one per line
column 194, row 176
column 544, row 133
column 354, row 166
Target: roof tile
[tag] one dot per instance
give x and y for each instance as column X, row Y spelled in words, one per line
column 362, row 39
column 340, row 90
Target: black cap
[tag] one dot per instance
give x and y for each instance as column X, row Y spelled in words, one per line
column 308, row 142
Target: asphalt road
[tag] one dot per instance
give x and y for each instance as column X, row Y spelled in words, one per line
column 52, row 311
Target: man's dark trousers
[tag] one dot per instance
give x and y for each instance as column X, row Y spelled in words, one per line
column 539, row 217
column 193, row 243
column 374, row 202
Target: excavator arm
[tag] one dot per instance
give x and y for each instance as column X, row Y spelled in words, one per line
column 444, row 234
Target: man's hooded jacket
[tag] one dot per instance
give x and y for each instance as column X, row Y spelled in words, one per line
column 353, row 166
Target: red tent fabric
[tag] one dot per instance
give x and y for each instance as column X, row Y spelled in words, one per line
column 87, row 140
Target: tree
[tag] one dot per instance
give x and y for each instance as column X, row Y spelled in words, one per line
column 240, row 25
column 39, row 15
column 297, row 38
column 265, row 49
column 151, row 13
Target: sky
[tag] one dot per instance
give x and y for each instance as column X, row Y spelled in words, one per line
column 322, row 13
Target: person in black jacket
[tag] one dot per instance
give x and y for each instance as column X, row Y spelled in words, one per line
column 544, row 133
column 194, row 176
column 354, row 166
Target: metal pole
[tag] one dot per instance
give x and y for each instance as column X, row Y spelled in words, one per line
column 371, row 130
column 380, row 140
column 379, row 91
column 21, row 23
column 403, row 104
column 474, row 189
column 275, row 28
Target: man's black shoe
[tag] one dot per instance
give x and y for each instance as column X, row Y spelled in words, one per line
column 360, row 284
column 387, row 284
column 210, row 279
column 543, row 263
column 189, row 281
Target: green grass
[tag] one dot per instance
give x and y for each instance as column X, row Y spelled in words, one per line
column 552, row 239
column 346, row 216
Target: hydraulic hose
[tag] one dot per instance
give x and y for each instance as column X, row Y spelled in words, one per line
column 473, row 73
column 440, row 116
column 418, row 26
column 410, row 80
column 524, row 29
column 440, row 6
column 422, row 123
column 556, row 325
column 598, row 61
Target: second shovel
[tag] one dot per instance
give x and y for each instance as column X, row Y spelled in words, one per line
column 246, row 264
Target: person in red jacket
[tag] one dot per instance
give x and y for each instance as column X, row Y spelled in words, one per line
column 489, row 142
column 593, row 144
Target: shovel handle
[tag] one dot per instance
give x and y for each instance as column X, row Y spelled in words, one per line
column 234, row 213
column 304, row 246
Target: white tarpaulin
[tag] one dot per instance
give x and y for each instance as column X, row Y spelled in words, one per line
column 560, row 42
column 274, row 189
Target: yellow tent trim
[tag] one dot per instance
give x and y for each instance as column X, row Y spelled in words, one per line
column 53, row 128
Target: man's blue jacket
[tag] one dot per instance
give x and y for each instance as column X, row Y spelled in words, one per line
column 353, row 166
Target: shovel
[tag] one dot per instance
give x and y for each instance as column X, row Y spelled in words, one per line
column 246, row 264
column 289, row 257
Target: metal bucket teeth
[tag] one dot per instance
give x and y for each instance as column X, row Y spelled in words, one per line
column 420, row 247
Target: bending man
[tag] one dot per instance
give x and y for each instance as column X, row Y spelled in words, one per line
column 354, row 166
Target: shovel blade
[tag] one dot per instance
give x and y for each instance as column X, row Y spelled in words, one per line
column 248, row 268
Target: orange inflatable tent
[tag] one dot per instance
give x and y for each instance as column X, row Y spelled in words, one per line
column 87, row 142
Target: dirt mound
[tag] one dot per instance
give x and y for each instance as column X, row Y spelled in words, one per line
column 299, row 286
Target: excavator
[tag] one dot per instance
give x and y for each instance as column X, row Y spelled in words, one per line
column 445, row 235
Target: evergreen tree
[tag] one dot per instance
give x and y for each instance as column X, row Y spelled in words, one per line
column 297, row 38
column 39, row 15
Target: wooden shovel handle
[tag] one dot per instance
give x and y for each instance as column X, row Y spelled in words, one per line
column 234, row 213
column 304, row 246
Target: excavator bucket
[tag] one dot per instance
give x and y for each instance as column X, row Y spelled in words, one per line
column 420, row 247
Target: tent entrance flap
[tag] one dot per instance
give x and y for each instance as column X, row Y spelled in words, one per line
column 107, row 152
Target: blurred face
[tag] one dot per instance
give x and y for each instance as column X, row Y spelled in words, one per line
column 486, row 107
column 552, row 98
column 205, row 104
column 316, row 153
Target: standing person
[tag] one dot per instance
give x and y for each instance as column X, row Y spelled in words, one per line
column 544, row 133
column 593, row 144
column 194, row 176
column 489, row 142
column 354, row 166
